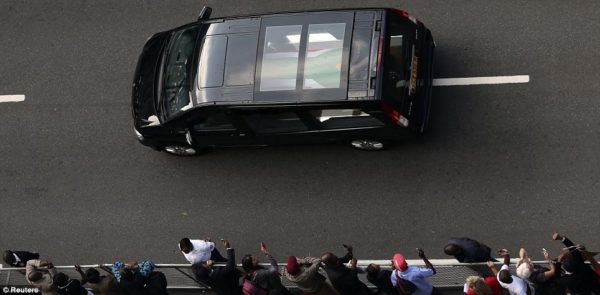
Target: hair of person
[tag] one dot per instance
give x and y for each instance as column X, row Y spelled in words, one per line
column 126, row 274
column 60, row 279
column 247, row 264
column 505, row 277
column 34, row 276
column 372, row 270
column 481, row 288
column 160, row 279
column 92, row 275
column 8, row 257
column 524, row 270
column 185, row 242
column 328, row 258
column 471, row 280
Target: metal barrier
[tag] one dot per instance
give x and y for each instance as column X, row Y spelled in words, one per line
column 450, row 273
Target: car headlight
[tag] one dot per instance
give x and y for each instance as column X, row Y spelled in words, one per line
column 139, row 135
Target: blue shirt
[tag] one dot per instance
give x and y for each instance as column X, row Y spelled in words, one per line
column 415, row 275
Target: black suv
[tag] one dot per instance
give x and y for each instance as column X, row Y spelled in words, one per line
column 361, row 76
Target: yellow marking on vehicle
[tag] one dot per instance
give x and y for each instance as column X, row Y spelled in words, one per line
column 414, row 72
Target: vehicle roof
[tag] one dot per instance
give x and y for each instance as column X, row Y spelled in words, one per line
column 247, row 32
column 270, row 13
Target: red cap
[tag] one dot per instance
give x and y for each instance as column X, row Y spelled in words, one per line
column 399, row 262
column 292, row 265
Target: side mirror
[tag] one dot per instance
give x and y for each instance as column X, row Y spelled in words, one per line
column 205, row 13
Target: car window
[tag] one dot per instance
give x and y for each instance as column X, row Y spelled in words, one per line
column 323, row 62
column 275, row 122
column 241, row 59
column 212, row 62
column 177, row 72
column 345, row 118
column 303, row 57
column 400, row 32
column 280, row 58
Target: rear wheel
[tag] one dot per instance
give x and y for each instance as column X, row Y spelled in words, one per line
column 180, row 150
column 369, row 144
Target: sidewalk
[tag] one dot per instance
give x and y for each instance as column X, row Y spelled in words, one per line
column 450, row 276
column 445, row 291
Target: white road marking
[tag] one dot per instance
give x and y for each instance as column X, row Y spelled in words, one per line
column 12, row 98
column 436, row 82
column 450, row 261
column 481, row 80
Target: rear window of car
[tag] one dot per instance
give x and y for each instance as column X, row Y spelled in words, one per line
column 400, row 32
column 397, row 61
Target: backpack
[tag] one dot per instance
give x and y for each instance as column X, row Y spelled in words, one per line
column 404, row 287
column 249, row 288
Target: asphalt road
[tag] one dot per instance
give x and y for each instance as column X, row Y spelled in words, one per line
column 504, row 164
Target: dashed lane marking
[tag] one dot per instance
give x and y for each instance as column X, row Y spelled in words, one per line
column 436, row 82
column 12, row 98
column 481, row 80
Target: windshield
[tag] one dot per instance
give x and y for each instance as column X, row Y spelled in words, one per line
column 177, row 72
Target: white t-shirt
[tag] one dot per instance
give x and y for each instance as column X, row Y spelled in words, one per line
column 201, row 252
column 518, row 285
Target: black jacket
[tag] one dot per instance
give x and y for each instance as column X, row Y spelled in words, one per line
column 73, row 287
column 345, row 280
column 583, row 280
column 133, row 288
column 472, row 251
column 24, row 256
column 383, row 282
column 224, row 280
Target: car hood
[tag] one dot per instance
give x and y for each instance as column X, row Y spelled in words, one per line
column 144, row 94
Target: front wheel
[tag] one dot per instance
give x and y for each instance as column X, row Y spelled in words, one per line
column 369, row 144
column 180, row 150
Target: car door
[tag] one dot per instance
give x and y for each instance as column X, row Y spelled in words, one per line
column 280, row 126
column 220, row 128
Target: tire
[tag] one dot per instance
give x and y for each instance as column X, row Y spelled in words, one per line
column 181, row 150
column 369, row 144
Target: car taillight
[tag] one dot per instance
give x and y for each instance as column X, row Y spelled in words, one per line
column 394, row 115
column 405, row 15
column 379, row 52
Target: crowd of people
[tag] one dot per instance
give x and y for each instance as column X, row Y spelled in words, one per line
column 328, row 274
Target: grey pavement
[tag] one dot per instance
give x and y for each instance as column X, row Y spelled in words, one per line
column 504, row 164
